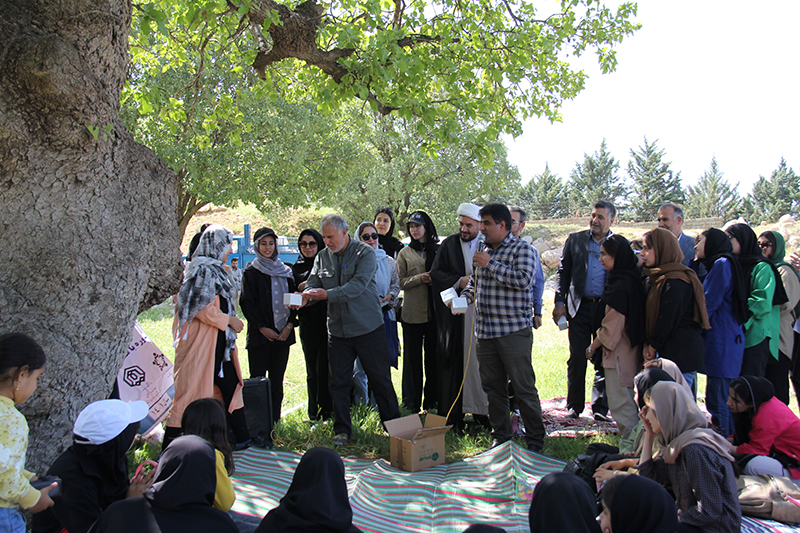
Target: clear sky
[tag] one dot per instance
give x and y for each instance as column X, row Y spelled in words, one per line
column 703, row 77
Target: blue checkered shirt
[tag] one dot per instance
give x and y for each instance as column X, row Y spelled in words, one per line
column 503, row 290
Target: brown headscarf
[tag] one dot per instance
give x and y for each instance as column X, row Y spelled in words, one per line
column 682, row 422
column 668, row 256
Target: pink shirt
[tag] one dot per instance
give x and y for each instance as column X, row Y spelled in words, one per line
column 775, row 427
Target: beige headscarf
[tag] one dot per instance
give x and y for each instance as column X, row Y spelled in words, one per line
column 673, row 370
column 682, row 423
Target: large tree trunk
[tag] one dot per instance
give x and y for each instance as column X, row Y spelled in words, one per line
column 88, row 234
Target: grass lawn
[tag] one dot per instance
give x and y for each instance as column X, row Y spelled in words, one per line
column 295, row 433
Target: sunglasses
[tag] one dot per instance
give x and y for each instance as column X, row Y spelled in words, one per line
column 369, row 236
column 764, row 244
column 308, row 244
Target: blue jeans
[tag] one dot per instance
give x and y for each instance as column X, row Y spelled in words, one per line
column 716, row 402
column 691, row 379
column 11, row 520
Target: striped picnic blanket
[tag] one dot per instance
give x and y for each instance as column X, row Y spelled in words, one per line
column 494, row 488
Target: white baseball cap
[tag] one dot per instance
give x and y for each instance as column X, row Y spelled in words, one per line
column 101, row 421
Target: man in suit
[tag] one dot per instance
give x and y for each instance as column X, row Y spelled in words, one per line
column 579, row 285
column 670, row 217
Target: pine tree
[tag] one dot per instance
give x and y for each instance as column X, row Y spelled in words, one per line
column 594, row 179
column 544, row 196
column 777, row 196
column 713, row 196
column 653, row 181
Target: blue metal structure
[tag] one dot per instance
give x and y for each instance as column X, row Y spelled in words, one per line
column 243, row 249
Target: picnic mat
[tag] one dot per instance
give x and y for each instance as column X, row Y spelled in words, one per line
column 494, row 488
column 556, row 423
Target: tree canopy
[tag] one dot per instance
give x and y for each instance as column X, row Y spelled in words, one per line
column 544, row 196
column 713, row 196
column 654, row 183
column 775, row 196
column 593, row 179
column 447, row 63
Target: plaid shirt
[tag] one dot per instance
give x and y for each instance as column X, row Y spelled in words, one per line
column 504, row 290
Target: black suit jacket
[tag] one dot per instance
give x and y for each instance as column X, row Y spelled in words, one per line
column 571, row 275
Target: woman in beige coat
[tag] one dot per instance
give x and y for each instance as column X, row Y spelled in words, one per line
column 419, row 322
column 206, row 358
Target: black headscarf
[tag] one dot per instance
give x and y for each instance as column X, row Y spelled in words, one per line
column 761, row 390
column 718, row 245
column 317, row 499
column 645, row 380
column 94, row 477
column 624, row 291
column 390, row 244
column 750, row 255
column 302, row 267
column 179, row 501
column 563, row 503
column 431, row 245
column 641, row 504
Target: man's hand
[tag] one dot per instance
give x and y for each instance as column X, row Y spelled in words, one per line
column 315, row 294
column 558, row 312
column 425, row 277
column 537, row 321
column 481, row 259
column 386, row 298
column 462, row 283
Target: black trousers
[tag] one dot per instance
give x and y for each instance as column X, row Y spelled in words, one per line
column 314, row 339
column 754, row 362
column 373, row 352
column 415, row 338
column 270, row 360
column 582, row 329
column 777, row 373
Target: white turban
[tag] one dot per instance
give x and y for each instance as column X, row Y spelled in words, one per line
column 469, row 210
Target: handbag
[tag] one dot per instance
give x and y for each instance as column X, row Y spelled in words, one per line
column 769, row 497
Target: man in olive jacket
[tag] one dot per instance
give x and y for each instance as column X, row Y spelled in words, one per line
column 344, row 275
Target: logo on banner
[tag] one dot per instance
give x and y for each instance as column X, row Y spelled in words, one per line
column 133, row 376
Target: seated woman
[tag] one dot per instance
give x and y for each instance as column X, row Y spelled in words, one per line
column 206, row 419
column 632, row 504
column 621, row 334
column 694, row 460
column 94, row 470
column 675, row 308
column 632, row 446
column 563, row 503
column 181, row 498
column 764, row 426
column 317, row 499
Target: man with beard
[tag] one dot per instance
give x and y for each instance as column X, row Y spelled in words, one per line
column 456, row 343
column 579, row 285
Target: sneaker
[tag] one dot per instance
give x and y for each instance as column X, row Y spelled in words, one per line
column 571, row 413
column 341, row 439
column 601, row 417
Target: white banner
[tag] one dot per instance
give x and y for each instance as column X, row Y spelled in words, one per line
column 147, row 374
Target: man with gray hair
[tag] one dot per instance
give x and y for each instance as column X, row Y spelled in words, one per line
column 344, row 275
column 670, row 217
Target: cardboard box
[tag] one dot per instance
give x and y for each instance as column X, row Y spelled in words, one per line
column 292, row 298
column 414, row 447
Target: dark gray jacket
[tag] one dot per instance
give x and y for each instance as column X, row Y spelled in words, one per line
column 349, row 278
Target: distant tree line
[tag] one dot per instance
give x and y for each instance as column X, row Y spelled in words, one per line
column 650, row 181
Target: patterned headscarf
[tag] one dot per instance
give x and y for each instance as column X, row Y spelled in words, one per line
column 206, row 278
